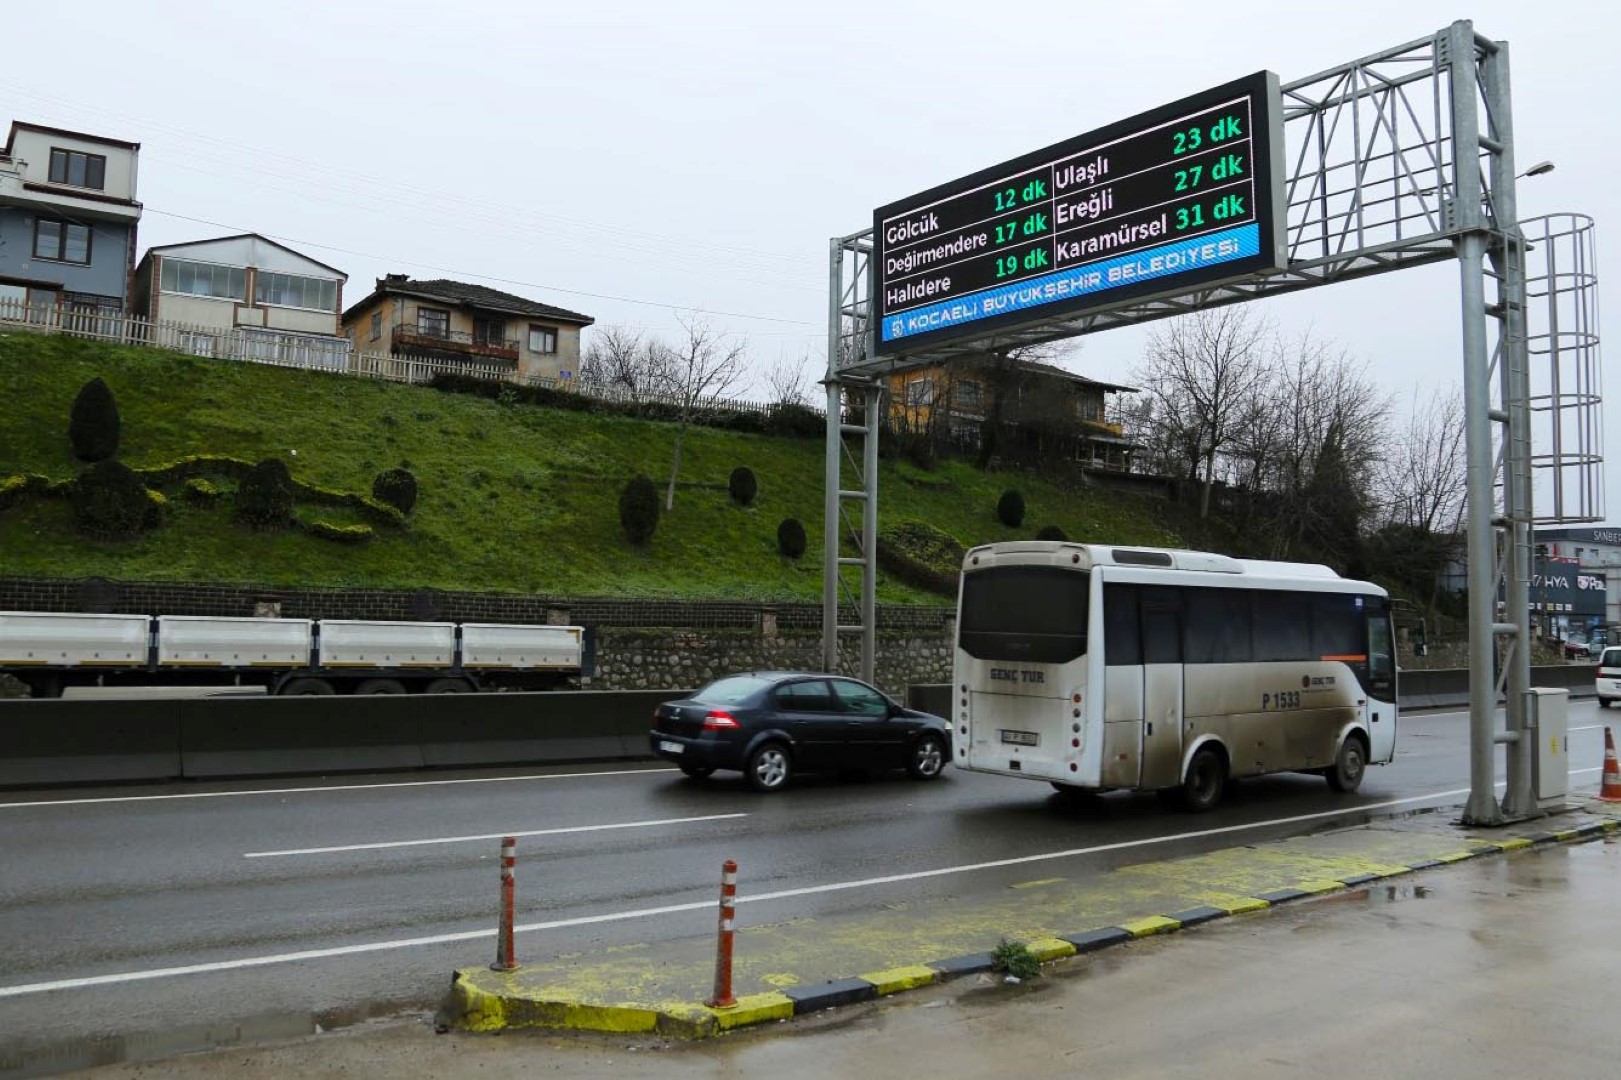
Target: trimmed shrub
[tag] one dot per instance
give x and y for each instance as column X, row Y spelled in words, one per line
column 921, row 555
column 93, row 422
column 200, row 492
column 1010, row 508
column 264, row 497
column 340, row 534
column 791, row 538
column 14, row 488
column 1052, row 532
column 110, row 502
column 639, row 509
column 743, row 485
column 396, row 487
column 157, row 508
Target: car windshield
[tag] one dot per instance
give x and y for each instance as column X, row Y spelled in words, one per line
column 730, row 691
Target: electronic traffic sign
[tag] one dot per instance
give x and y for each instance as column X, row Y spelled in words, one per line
column 1185, row 195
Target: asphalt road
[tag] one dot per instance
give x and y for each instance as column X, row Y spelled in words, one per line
column 194, row 909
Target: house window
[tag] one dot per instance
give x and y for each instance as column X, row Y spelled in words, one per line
column 920, row 392
column 203, row 279
column 488, row 330
column 78, row 169
column 12, row 296
column 62, row 241
column 968, row 394
column 294, row 291
column 542, row 339
column 376, row 325
column 432, row 322
column 1089, row 408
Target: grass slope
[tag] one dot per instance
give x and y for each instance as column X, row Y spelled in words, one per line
column 513, row 498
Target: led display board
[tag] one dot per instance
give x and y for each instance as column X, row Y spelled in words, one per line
column 1181, row 196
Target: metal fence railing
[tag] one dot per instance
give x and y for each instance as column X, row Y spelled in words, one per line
column 315, row 353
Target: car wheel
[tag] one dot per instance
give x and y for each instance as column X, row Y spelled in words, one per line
column 1205, row 781
column 928, row 758
column 1349, row 765
column 449, row 686
column 698, row 772
column 769, row 767
column 306, row 688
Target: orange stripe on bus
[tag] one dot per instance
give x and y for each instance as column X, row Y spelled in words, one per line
column 1347, row 658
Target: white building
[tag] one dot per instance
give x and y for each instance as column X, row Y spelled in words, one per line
column 254, row 298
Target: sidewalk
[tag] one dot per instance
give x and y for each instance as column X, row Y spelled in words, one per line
column 800, row 967
column 1496, row 967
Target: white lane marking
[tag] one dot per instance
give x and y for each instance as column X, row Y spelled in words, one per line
column 700, row 905
column 333, row 787
column 487, row 836
column 1586, row 727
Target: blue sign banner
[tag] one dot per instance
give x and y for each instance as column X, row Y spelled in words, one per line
column 1239, row 243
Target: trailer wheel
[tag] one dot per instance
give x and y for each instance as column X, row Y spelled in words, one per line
column 380, row 686
column 448, row 686
column 305, row 688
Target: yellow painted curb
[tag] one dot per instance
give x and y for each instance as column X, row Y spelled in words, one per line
column 1050, row 948
column 1513, row 843
column 1241, row 906
column 1154, row 924
column 1567, row 834
column 750, row 1009
column 1456, row 856
column 477, row 1009
column 1317, row 888
column 895, row 980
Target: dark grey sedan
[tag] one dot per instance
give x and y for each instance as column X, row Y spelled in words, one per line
column 770, row 725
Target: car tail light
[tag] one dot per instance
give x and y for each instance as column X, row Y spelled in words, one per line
column 719, row 721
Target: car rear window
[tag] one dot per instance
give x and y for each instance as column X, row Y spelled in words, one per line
column 730, row 691
column 1611, row 658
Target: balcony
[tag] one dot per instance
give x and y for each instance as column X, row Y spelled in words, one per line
column 420, row 337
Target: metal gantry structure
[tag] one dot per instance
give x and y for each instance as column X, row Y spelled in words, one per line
column 1399, row 159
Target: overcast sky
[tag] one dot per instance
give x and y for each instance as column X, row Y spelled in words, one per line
column 634, row 160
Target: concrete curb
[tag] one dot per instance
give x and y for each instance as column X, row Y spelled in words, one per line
column 481, row 1000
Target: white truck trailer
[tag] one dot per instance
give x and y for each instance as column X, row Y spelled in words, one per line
column 49, row 651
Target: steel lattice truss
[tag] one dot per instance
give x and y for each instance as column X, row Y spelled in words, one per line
column 1371, row 187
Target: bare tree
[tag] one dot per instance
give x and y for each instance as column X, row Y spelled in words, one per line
column 706, row 364
column 1201, row 371
column 625, row 363
column 1422, row 478
column 785, row 380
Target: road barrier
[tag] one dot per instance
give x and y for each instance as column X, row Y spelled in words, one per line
column 81, row 741
column 87, row 741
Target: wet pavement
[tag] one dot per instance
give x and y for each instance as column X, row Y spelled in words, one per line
column 1502, row 966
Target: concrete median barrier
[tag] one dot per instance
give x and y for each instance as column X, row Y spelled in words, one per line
column 60, row 742
column 494, row 729
column 81, row 741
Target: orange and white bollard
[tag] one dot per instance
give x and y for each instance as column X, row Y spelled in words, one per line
column 1610, row 784
column 504, row 958
column 723, row 998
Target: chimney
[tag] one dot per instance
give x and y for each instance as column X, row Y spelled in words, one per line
column 392, row 279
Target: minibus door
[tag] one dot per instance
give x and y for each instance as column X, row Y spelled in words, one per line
column 1162, row 687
